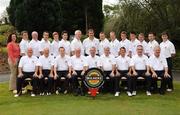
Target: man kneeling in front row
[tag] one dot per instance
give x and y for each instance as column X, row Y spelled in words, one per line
column 27, row 69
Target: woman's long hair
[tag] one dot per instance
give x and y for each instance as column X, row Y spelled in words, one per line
column 10, row 37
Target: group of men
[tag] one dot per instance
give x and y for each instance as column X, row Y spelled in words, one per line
column 47, row 63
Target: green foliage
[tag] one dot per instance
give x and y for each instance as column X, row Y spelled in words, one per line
column 145, row 16
column 6, row 28
column 3, row 40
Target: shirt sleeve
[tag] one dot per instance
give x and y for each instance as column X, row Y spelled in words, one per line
column 22, row 47
column 21, row 62
column 172, row 49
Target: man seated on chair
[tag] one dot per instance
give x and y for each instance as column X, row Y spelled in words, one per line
column 92, row 59
column 78, row 68
column 123, row 70
column 27, row 69
column 62, row 69
column 45, row 63
column 159, row 68
column 140, row 68
column 108, row 65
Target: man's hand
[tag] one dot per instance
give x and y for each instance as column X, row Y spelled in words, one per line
column 35, row 75
column 20, row 75
column 147, row 73
column 69, row 75
column 82, row 73
column 166, row 75
column 118, row 74
column 55, row 76
column 40, row 76
column 112, row 74
column 134, row 73
column 74, row 73
column 154, row 75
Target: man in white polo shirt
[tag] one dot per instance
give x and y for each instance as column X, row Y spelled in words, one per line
column 24, row 43
column 27, row 69
column 143, row 43
column 104, row 42
column 114, row 44
column 159, row 68
column 78, row 68
column 76, row 42
column 92, row 59
column 89, row 42
column 168, row 51
column 45, row 63
column 123, row 70
column 140, row 68
column 65, row 43
column 125, row 43
column 45, row 43
column 35, row 44
column 62, row 65
column 152, row 42
column 134, row 42
column 55, row 44
column 108, row 65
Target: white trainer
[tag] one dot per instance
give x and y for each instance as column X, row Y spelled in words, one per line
column 129, row 94
column 33, row 95
column 57, row 92
column 148, row 93
column 169, row 90
column 117, row 94
column 14, row 91
column 16, row 95
column 134, row 93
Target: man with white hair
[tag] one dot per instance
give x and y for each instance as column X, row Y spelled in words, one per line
column 78, row 68
column 45, row 63
column 76, row 42
column 108, row 65
column 92, row 59
column 35, row 44
column 89, row 42
column 27, row 69
column 159, row 68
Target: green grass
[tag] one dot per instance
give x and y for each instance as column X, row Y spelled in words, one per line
column 106, row 104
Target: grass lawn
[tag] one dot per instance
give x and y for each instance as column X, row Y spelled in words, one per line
column 107, row 104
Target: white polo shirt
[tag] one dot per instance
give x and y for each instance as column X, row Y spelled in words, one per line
column 35, row 45
column 66, row 45
column 46, row 62
column 87, row 44
column 55, row 48
column 77, row 44
column 138, row 62
column 125, row 43
column 78, row 63
column 62, row 63
column 134, row 45
column 152, row 45
column 106, row 62
column 123, row 63
column 24, row 46
column 93, row 62
column 158, row 63
column 104, row 43
column 28, row 64
column 145, row 46
column 114, row 47
column 167, row 48
column 44, row 44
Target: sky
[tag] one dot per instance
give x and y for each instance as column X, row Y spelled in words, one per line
column 5, row 3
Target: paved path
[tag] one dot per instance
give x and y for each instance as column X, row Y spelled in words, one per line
column 5, row 77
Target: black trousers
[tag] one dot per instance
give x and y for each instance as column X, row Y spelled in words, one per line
column 170, row 65
column 21, row 81
column 108, row 83
column 59, row 84
column 75, row 83
column 116, row 81
column 148, row 80
column 164, row 82
column 46, row 82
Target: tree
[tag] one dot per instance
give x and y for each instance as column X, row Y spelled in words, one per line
column 39, row 15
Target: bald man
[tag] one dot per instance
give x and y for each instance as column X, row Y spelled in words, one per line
column 27, row 69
